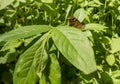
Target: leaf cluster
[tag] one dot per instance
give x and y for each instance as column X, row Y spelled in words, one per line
column 41, row 49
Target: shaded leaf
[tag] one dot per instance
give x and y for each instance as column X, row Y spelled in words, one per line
column 52, row 73
column 7, row 77
column 106, row 78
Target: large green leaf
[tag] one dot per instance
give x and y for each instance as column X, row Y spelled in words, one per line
column 31, row 63
column 75, row 47
column 24, row 32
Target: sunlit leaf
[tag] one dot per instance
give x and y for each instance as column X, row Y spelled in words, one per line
column 116, row 73
column 9, row 56
column 4, row 3
column 94, row 26
column 31, row 63
column 115, row 45
column 98, row 2
column 110, row 59
column 55, row 73
column 80, row 14
column 75, row 47
column 43, row 80
column 24, row 32
column 11, row 44
column 47, row 1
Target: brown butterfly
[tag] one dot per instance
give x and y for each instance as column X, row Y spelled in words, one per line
column 75, row 22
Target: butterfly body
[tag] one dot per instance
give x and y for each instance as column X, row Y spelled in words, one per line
column 75, row 22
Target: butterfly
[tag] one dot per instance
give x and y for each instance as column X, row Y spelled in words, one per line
column 75, row 22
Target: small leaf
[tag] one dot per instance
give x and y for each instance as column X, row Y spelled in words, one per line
column 11, row 44
column 115, row 45
column 105, row 40
column 75, row 47
column 10, row 13
column 116, row 74
column 3, row 60
column 110, row 59
column 47, row 1
column 80, row 14
column 98, row 2
column 8, row 56
column 106, row 78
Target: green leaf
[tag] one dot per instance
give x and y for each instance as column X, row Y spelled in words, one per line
column 10, row 13
column 23, row 1
column 98, row 2
column 47, row 1
column 4, row 3
column 75, row 47
column 43, row 80
column 94, row 26
column 31, row 63
column 115, row 45
column 116, row 74
column 8, row 56
column 55, row 73
column 106, row 78
column 110, row 59
column 24, row 32
column 11, row 44
column 52, row 73
column 80, row 14
column 41, row 57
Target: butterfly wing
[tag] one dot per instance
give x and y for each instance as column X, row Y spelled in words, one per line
column 75, row 22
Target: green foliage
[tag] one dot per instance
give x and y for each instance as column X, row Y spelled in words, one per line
column 36, row 46
column 73, row 44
